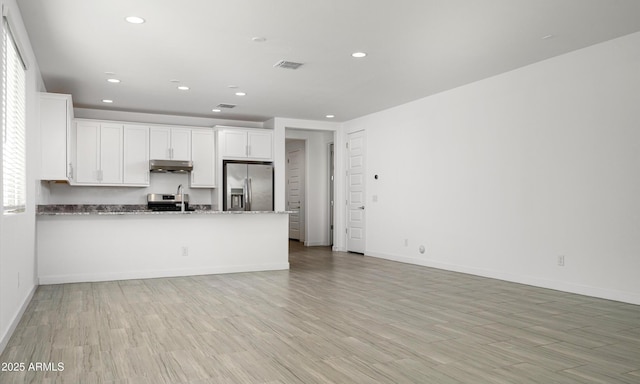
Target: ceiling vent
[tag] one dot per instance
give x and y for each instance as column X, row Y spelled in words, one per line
column 287, row 64
column 226, row 106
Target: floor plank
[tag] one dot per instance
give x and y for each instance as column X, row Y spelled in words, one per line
column 332, row 318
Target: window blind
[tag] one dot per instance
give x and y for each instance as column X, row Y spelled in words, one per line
column 13, row 125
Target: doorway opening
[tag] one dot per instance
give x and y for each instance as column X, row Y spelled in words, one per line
column 312, row 188
column 296, row 191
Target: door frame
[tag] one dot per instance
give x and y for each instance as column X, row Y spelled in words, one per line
column 331, row 192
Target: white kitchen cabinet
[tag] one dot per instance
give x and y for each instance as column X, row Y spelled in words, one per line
column 233, row 143
column 99, row 153
column 169, row 143
column 241, row 143
column 136, row 155
column 260, row 145
column 204, row 159
column 56, row 113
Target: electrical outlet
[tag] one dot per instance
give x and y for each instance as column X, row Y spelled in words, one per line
column 560, row 260
column 185, row 251
column 406, row 242
column 422, row 249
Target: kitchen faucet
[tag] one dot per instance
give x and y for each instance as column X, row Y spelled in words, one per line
column 181, row 193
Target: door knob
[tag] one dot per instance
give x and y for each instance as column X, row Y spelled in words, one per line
column 362, row 207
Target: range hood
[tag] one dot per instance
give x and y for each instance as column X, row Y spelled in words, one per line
column 178, row 166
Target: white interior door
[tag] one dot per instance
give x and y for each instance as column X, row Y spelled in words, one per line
column 295, row 193
column 356, row 192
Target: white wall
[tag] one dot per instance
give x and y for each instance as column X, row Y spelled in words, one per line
column 500, row 177
column 316, row 183
column 17, row 232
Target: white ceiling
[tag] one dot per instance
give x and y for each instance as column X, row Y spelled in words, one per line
column 415, row 48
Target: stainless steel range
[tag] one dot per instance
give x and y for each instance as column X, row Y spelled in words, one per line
column 169, row 202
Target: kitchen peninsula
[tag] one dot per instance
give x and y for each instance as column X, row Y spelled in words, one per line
column 91, row 225
column 128, row 242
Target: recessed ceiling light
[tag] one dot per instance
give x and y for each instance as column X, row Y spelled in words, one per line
column 547, row 37
column 183, row 88
column 240, row 94
column 330, row 116
column 216, row 110
column 107, row 101
column 134, row 19
column 359, row 55
column 114, row 81
column 258, row 39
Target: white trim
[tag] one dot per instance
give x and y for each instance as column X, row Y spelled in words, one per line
column 6, row 15
column 603, row 293
column 316, row 244
column 16, row 320
column 134, row 275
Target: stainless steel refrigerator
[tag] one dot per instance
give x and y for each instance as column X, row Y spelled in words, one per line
column 247, row 186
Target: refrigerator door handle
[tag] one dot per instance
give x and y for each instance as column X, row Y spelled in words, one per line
column 245, row 195
column 249, row 194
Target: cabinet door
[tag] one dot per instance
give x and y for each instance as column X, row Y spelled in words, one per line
column 55, row 120
column 260, row 145
column 160, row 143
column 136, row 155
column 87, row 152
column 203, row 155
column 233, row 143
column 180, row 144
column 110, row 154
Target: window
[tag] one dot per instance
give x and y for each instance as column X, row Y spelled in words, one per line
column 13, row 125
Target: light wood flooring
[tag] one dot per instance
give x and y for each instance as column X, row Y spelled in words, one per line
column 333, row 318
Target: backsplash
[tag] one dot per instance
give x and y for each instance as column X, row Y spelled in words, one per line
column 62, row 193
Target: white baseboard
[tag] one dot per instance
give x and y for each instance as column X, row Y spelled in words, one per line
column 16, row 319
column 315, row 244
column 131, row 275
column 599, row 292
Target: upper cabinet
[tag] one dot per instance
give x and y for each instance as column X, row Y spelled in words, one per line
column 169, row 143
column 110, row 154
column 203, row 151
column 56, row 114
column 98, row 153
column 245, row 143
column 136, row 155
